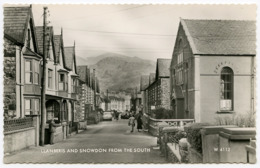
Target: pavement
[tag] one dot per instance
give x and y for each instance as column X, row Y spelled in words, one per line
column 106, row 142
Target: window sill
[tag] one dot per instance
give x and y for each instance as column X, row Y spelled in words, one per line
column 225, row 112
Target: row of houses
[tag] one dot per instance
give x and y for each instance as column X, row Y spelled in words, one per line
column 211, row 73
column 116, row 101
column 71, row 90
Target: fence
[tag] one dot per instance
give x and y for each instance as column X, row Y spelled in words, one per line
column 18, row 124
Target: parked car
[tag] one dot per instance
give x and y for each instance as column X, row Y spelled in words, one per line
column 107, row 115
column 125, row 115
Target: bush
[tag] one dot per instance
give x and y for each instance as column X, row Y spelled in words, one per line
column 241, row 120
column 162, row 113
column 194, row 135
column 176, row 136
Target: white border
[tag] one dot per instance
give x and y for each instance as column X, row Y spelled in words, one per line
column 125, row 2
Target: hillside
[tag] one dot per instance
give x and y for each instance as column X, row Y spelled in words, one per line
column 118, row 72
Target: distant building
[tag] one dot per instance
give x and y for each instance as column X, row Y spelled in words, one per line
column 144, row 83
column 213, row 69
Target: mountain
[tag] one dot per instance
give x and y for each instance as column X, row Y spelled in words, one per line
column 94, row 60
column 119, row 72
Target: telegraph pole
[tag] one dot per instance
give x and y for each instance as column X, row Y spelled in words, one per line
column 43, row 90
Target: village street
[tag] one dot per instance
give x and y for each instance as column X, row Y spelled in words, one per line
column 108, row 137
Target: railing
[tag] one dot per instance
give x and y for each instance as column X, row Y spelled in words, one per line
column 17, row 124
column 171, row 122
column 154, row 128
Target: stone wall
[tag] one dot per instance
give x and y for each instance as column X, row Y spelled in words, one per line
column 165, row 97
column 9, row 79
column 18, row 140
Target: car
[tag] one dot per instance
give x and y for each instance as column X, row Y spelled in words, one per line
column 125, row 115
column 107, row 116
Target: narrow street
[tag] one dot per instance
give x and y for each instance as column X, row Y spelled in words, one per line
column 106, row 142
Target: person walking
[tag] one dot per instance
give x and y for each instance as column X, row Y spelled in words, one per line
column 131, row 122
column 52, row 129
column 139, row 122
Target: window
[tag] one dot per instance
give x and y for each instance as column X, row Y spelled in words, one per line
column 32, row 106
column 74, row 85
column 50, row 80
column 32, row 71
column 28, row 72
column 28, row 106
column 63, row 84
column 37, row 106
column 179, row 68
column 226, row 87
column 36, row 72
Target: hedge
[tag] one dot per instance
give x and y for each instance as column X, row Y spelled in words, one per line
column 176, row 136
column 194, row 135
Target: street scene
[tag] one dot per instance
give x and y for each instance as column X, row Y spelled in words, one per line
column 129, row 84
column 102, row 143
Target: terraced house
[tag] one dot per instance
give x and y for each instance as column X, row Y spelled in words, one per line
column 23, row 53
column 213, row 71
column 86, row 95
column 22, row 79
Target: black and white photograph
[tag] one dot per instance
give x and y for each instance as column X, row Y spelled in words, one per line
column 129, row 83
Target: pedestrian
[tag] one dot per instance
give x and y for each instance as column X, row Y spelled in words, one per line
column 117, row 115
column 139, row 121
column 52, row 130
column 131, row 122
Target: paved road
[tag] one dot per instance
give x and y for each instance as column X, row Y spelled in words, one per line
column 106, row 142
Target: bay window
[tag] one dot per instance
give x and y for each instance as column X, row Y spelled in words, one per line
column 32, row 106
column 36, row 72
column 28, row 71
column 74, row 85
column 32, row 71
column 63, row 82
column 50, row 78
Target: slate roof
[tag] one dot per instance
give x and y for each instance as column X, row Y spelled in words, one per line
column 221, row 37
column 144, row 82
column 57, row 44
column 151, row 78
column 39, row 36
column 69, row 57
column 15, row 22
column 82, row 71
column 162, row 68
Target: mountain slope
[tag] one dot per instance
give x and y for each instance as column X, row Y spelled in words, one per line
column 117, row 72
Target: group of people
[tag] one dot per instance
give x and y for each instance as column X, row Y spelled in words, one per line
column 138, row 118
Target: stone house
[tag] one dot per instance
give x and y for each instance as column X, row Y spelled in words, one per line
column 83, row 76
column 158, row 89
column 213, row 71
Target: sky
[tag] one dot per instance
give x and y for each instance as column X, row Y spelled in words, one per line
column 146, row 31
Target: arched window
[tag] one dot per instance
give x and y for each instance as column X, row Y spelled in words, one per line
column 227, row 82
